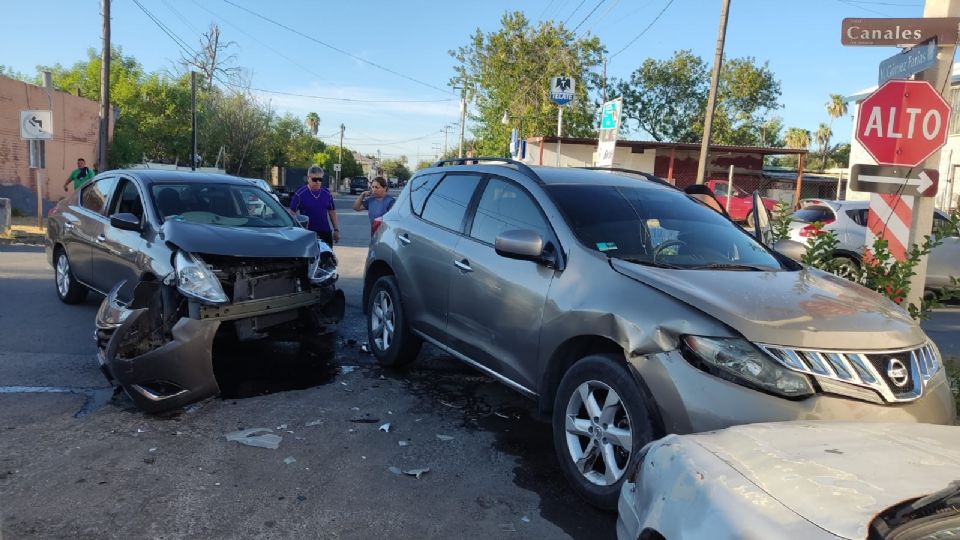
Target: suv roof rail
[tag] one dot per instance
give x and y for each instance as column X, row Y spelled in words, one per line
column 522, row 167
column 646, row 175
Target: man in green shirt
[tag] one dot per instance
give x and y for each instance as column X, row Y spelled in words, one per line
column 80, row 176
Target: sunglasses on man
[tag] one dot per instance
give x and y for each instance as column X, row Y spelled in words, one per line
column 316, row 179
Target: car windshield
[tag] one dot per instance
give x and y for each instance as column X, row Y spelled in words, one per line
column 226, row 205
column 812, row 214
column 658, row 227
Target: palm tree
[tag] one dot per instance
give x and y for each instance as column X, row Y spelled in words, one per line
column 836, row 108
column 797, row 138
column 823, row 141
column 313, row 122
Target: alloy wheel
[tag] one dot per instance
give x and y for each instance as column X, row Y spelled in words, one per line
column 598, row 433
column 63, row 274
column 383, row 320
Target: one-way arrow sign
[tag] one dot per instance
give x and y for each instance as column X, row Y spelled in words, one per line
column 908, row 181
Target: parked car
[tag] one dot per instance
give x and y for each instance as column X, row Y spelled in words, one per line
column 182, row 259
column 629, row 310
column 741, row 203
column 848, row 220
column 359, row 184
column 811, row 480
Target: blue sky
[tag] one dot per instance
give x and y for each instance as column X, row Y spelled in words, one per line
column 800, row 40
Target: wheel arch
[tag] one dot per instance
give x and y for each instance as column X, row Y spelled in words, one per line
column 565, row 356
column 375, row 271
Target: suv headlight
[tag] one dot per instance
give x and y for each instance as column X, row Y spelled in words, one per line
column 739, row 361
column 323, row 267
column 195, row 279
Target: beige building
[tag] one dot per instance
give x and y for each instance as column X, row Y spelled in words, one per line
column 75, row 124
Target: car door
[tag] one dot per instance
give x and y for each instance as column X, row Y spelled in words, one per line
column 496, row 303
column 944, row 260
column 425, row 247
column 117, row 257
column 89, row 227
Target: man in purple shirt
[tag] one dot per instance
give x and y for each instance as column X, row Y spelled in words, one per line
column 315, row 201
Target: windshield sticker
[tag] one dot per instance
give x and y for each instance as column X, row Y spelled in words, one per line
column 606, row 246
column 653, row 223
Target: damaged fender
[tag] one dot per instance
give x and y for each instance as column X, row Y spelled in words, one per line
column 157, row 368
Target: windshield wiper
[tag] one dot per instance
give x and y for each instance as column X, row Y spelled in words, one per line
column 948, row 496
column 730, row 266
column 648, row 262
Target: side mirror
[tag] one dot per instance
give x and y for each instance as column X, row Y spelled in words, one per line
column 302, row 220
column 524, row 244
column 126, row 221
column 790, row 248
column 762, row 229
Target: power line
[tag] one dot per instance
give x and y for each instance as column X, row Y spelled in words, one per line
column 602, row 17
column 181, row 17
column 341, row 51
column 600, row 3
column 575, row 10
column 848, row 3
column 180, row 43
column 900, row 4
column 330, row 98
column 644, row 31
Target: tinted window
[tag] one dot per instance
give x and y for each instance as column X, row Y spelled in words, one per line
column 656, row 226
column 420, row 188
column 447, row 204
column 96, row 195
column 128, row 201
column 503, row 207
column 219, row 204
column 859, row 216
column 813, row 214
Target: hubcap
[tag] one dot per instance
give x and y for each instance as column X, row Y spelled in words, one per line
column 63, row 274
column 598, row 433
column 382, row 320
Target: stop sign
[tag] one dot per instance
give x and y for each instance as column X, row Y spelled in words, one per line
column 903, row 122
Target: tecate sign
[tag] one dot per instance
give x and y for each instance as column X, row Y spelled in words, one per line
column 893, row 32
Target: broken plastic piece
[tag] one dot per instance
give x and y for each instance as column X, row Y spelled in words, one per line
column 365, row 348
column 282, row 426
column 525, row 519
column 448, row 404
column 257, row 437
column 444, row 437
column 348, row 369
column 314, row 423
column 289, row 460
column 385, row 428
column 403, row 443
column 417, row 472
column 395, row 470
column 354, row 408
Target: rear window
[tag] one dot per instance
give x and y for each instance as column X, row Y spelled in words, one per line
column 812, row 214
column 420, row 187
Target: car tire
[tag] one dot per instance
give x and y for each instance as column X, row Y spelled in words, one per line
column 390, row 340
column 844, row 267
column 69, row 290
column 588, row 445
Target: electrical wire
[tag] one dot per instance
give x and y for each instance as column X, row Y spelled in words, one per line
column 341, row 51
column 575, row 10
column 644, row 31
column 848, row 3
column 170, row 33
column 592, row 11
column 331, row 98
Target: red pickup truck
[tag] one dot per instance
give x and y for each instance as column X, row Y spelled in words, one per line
column 741, row 204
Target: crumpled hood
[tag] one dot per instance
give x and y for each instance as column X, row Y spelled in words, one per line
column 839, row 475
column 805, row 309
column 240, row 241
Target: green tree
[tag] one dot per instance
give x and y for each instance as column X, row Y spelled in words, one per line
column 328, row 157
column 237, row 127
column 823, row 143
column 667, row 99
column 508, row 72
column 836, row 108
column 313, row 123
column 797, row 138
column 396, row 168
column 840, row 155
column 423, row 164
column 290, row 144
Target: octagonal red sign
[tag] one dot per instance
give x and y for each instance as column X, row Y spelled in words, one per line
column 903, row 122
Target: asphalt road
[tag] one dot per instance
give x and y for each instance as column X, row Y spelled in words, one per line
column 78, row 461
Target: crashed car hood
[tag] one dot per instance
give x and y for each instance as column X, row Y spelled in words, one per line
column 839, row 475
column 240, row 241
column 805, row 308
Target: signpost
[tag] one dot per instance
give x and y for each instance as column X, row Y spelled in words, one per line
column 899, row 32
column 903, row 123
column 609, row 129
column 909, row 62
column 36, row 127
column 561, row 93
column 904, row 181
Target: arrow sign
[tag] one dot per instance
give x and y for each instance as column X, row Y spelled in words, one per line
column 905, row 181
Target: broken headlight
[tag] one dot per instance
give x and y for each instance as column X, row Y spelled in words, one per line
column 195, row 279
column 323, row 268
column 739, row 361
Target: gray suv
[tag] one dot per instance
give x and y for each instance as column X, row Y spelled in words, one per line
column 629, row 310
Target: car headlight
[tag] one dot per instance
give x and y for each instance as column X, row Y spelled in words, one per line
column 323, row 267
column 739, row 361
column 195, row 279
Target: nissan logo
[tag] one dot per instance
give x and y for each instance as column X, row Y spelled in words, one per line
column 897, row 372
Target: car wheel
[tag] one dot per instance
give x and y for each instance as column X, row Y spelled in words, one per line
column 68, row 289
column 389, row 337
column 601, row 421
column 844, row 267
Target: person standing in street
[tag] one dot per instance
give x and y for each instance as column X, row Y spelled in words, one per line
column 315, row 201
column 375, row 201
column 80, row 176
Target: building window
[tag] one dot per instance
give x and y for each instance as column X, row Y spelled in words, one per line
column 954, row 110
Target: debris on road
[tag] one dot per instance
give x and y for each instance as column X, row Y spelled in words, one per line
column 385, row 428
column 525, row 519
column 257, row 437
column 448, row 404
column 403, row 443
column 365, row 420
column 345, row 370
column 417, row 473
column 365, row 348
column 314, row 423
column 444, row 437
column 288, row 460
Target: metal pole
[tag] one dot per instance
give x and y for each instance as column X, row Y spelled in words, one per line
column 42, row 149
column 559, row 131
column 193, row 120
column 463, row 114
column 712, row 97
column 839, row 182
column 729, row 188
column 340, row 156
column 39, row 194
column 104, row 89
column 446, row 129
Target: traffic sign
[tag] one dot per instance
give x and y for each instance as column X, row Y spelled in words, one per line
column 336, row 167
column 910, row 61
column 894, row 32
column 36, row 125
column 904, row 181
column 562, row 89
column 609, row 130
column 903, row 122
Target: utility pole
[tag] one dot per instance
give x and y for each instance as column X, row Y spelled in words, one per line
column 340, row 156
column 193, row 120
column 463, row 113
column 446, row 129
column 104, row 89
column 604, row 82
column 712, row 97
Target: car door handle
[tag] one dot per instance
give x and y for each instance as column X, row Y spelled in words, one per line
column 101, row 238
column 404, row 239
column 463, row 265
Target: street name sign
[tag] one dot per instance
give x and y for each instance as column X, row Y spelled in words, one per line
column 36, row 125
column 894, row 32
column 903, row 123
column 904, row 181
column 562, row 89
column 910, row 61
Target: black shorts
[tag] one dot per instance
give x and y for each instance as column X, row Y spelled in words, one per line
column 326, row 236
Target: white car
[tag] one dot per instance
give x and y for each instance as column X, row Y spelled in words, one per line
column 810, row 480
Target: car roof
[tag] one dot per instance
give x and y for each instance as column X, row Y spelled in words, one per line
column 834, row 203
column 566, row 175
column 157, row 176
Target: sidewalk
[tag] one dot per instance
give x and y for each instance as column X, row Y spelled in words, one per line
column 24, row 230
